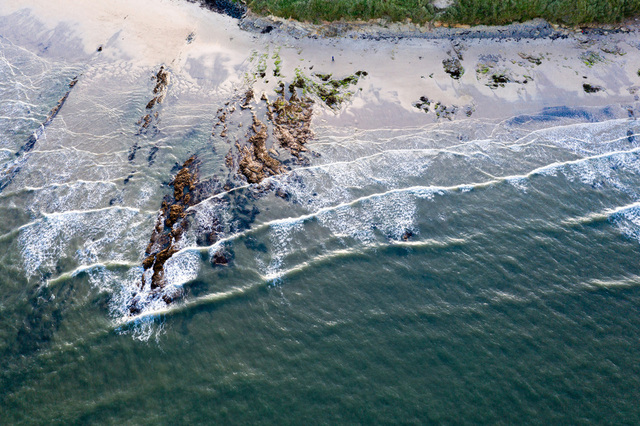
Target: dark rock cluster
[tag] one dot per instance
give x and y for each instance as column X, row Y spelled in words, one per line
column 170, row 226
column 162, row 78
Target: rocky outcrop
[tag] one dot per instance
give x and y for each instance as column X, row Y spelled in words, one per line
column 292, row 122
column 255, row 163
column 52, row 114
column 163, row 79
column 226, row 7
column 453, row 67
column 288, row 121
column 590, row 88
column 170, row 226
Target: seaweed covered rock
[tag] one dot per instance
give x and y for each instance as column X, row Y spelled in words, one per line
column 170, row 226
column 171, row 223
column 255, row 162
column 292, row 121
column 453, row 67
column 589, row 88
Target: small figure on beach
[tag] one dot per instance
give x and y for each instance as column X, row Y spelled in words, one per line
column 332, row 60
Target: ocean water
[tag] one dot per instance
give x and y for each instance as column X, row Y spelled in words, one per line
column 472, row 271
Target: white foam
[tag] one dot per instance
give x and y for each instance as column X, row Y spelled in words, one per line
column 181, row 268
column 628, row 220
column 88, row 237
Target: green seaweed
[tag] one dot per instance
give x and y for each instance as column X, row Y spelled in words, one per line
column 332, row 92
column 261, row 69
column 482, row 69
column 277, row 63
column 591, row 58
column 323, row 77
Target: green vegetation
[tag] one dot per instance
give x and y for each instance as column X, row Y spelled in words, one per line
column 482, row 69
column 331, row 92
column 277, row 63
column 334, row 10
column 560, row 11
column 261, row 69
column 591, row 58
column 492, row 12
column 498, row 80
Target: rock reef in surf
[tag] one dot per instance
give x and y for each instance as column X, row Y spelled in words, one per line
column 275, row 139
column 287, row 119
column 170, row 226
column 52, row 114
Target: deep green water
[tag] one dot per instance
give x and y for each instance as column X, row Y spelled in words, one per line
column 513, row 299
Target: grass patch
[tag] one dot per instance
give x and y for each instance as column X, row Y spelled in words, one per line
column 473, row 12
column 334, row 10
column 572, row 12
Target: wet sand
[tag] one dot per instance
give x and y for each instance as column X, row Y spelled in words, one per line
column 501, row 76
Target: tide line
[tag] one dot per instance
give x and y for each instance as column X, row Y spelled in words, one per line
column 601, row 216
column 85, row 268
column 181, row 307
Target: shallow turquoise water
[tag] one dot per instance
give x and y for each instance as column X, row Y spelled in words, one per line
column 465, row 272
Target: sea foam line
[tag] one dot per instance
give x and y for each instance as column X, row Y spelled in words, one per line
column 180, row 307
column 622, row 282
column 418, row 190
column 265, row 280
column 85, row 268
column 73, row 185
column 75, row 212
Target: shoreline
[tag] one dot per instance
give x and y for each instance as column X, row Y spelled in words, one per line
column 520, row 68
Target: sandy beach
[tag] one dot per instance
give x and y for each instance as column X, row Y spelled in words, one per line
column 538, row 72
